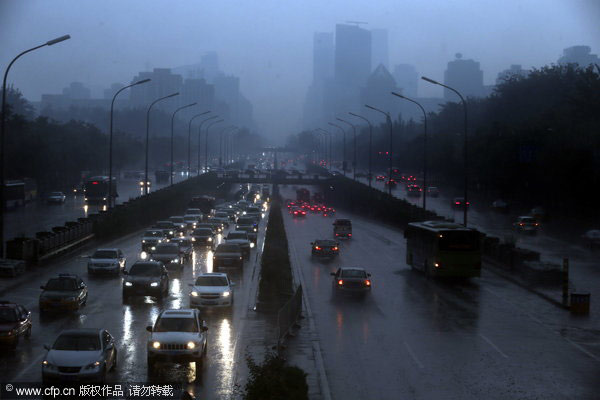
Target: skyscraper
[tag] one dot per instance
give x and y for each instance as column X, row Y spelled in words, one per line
column 465, row 76
column 352, row 55
column 379, row 48
column 323, row 51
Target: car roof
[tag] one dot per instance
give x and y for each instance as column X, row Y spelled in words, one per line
column 167, row 245
column 327, row 241
column 213, row 274
column 147, row 262
column 80, row 331
column 352, row 269
column 108, row 249
column 236, row 231
column 178, row 313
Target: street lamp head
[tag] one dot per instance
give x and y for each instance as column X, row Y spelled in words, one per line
column 142, row 81
column 399, row 95
column 58, row 40
column 430, row 80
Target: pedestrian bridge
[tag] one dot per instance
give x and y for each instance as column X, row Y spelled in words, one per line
column 276, row 178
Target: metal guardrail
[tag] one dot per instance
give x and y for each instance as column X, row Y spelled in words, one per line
column 288, row 316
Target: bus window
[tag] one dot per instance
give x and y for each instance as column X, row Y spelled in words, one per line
column 458, row 241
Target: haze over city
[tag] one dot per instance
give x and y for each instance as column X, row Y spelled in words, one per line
column 268, row 44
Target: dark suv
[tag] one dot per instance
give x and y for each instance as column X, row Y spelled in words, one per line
column 15, row 321
column 67, row 291
column 146, row 278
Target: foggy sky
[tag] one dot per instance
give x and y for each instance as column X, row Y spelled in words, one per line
column 268, row 43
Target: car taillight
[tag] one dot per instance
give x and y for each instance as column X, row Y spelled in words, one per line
column 295, row 212
column 303, row 212
column 367, row 283
column 334, row 248
column 457, row 202
column 340, row 282
column 521, row 224
column 337, row 234
column 317, row 248
column 349, row 234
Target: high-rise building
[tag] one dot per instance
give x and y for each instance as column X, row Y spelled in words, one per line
column 406, row 77
column 514, row 70
column 465, row 76
column 580, row 55
column 323, row 51
column 209, row 63
column 77, row 91
column 379, row 48
column 352, row 55
column 163, row 83
column 197, row 91
column 377, row 91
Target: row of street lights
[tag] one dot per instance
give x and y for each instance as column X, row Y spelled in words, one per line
column 391, row 154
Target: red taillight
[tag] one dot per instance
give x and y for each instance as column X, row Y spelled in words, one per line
column 295, row 212
column 367, row 283
column 468, row 203
column 457, row 202
column 94, row 183
column 334, row 248
column 337, row 234
column 349, row 234
column 340, row 282
column 317, row 248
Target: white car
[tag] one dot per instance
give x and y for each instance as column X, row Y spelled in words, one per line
column 177, row 336
column 212, row 290
column 80, row 355
column 106, row 260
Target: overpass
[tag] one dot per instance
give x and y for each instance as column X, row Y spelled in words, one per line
column 274, row 178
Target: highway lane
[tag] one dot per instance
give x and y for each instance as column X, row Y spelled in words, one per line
column 419, row 338
column 127, row 322
column 40, row 216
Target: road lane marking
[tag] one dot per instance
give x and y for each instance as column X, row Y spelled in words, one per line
column 412, row 354
column 33, row 364
column 493, row 345
column 580, row 348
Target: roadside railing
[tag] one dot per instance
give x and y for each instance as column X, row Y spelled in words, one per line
column 288, row 317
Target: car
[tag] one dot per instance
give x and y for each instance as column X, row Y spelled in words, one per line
column 186, row 247
column 351, row 280
column 241, row 239
column 380, row 178
column 325, row 248
column 298, row 212
column 82, row 355
column 148, row 183
column 228, row 255
column 168, row 228
column 214, row 228
column 459, row 203
column 342, row 228
column 195, row 212
column 433, row 191
column 212, row 289
column 391, row 182
column 203, row 237
column 107, row 261
column 254, row 212
column 526, row 224
column 250, row 230
column 168, row 254
column 56, row 198
column 244, row 220
column 191, row 220
column 179, row 223
column 592, row 238
column 217, row 225
column 221, row 217
column 15, row 322
column 153, row 237
column 328, row 211
column 178, row 335
column 413, row 190
column 500, row 206
column 146, row 278
column 66, row 291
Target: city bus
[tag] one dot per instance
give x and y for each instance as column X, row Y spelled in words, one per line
column 444, row 249
column 96, row 189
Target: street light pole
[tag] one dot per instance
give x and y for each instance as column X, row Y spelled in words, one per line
column 465, row 155
column 3, row 130
column 190, row 141
column 221, row 143
column 424, row 146
column 354, row 157
column 344, row 146
column 389, row 120
column 329, row 135
column 148, row 137
column 200, row 137
column 370, row 143
column 173, row 132
column 206, row 143
column 110, row 140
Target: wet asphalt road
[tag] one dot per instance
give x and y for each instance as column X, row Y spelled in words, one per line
column 418, row 338
column 127, row 322
column 40, row 216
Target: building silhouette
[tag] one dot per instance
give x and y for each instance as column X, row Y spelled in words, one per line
column 377, row 92
column 515, row 70
column 352, row 55
column 164, row 82
column 465, row 76
column 580, row 55
column 323, row 53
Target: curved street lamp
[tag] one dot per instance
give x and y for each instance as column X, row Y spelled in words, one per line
column 354, row 157
column 148, row 136
column 389, row 120
column 206, row 142
column 221, row 143
column 190, row 141
column 172, row 133
column 370, row 142
column 110, row 140
column 466, row 159
column 329, row 135
column 424, row 146
column 3, row 129
column 200, row 137
column 344, row 146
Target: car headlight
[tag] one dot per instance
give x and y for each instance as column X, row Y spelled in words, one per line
column 191, row 345
column 154, row 284
column 194, row 294
column 251, row 245
column 156, row 345
column 93, row 365
column 175, row 260
column 143, row 255
column 170, row 232
column 193, row 239
column 225, row 294
column 153, row 248
column 210, row 239
column 244, row 213
column 143, row 240
column 47, row 365
column 254, row 229
column 128, row 284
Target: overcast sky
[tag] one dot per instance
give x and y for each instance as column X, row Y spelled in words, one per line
column 268, row 43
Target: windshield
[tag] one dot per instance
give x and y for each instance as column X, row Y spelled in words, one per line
column 77, row 342
column 211, row 281
column 245, row 221
column 458, row 241
column 221, row 215
column 8, row 314
column 176, row 325
column 353, row 273
column 203, row 232
column 228, row 248
column 61, row 284
column 153, row 234
column 237, row 235
column 145, row 270
column 105, row 254
column 167, row 250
